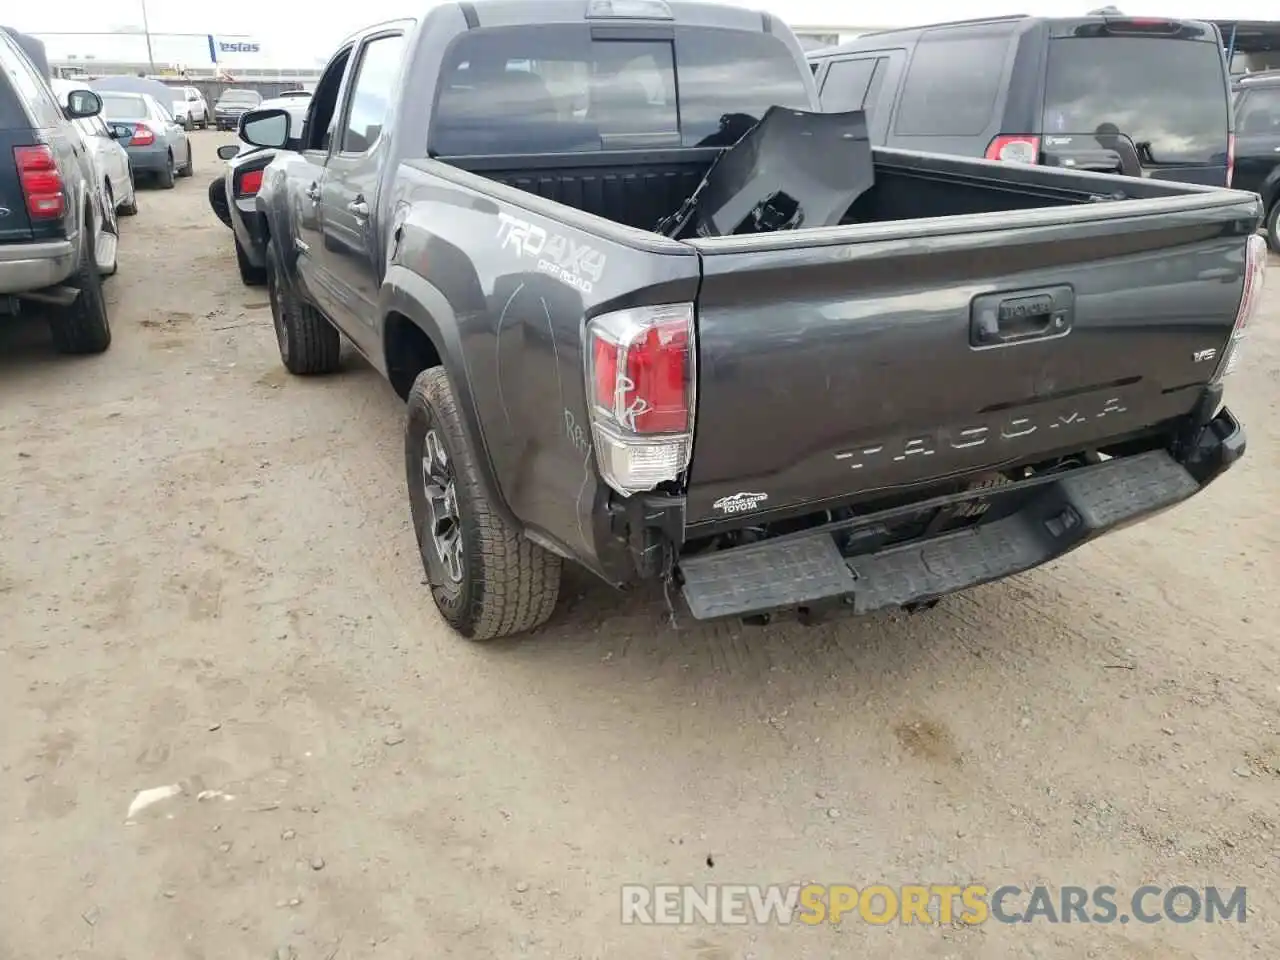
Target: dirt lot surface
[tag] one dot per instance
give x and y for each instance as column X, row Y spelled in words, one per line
column 208, row 579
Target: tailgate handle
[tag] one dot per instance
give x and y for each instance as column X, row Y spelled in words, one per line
column 1001, row 319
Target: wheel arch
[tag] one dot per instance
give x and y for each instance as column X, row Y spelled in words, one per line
column 419, row 332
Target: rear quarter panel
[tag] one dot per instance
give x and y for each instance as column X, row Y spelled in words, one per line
column 513, row 279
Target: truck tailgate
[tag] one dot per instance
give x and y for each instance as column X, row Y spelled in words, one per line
column 841, row 362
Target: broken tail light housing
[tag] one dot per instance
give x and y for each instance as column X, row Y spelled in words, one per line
column 143, row 136
column 249, row 183
column 42, row 187
column 640, row 391
column 1255, row 270
column 1014, row 148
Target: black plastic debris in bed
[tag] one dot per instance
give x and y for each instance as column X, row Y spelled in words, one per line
column 792, row 169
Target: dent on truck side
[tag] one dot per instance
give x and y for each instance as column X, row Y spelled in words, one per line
column 504, row 282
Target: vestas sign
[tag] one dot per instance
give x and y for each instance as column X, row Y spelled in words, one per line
column 222, row 49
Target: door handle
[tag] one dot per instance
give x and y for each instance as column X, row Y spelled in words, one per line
column 359, row 209
column 313, row 192
column 999, row 319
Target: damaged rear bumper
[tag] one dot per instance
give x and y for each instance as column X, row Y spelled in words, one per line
column 1025, row 524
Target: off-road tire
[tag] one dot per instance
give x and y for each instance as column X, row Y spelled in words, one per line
column 1273, row 227
column 83, row 327
column 250, row 275
column 309, row 344
column 509, row 584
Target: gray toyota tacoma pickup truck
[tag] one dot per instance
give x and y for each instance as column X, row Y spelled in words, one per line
column 975, row 369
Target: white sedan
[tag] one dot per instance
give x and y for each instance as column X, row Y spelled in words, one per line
column 109, row 159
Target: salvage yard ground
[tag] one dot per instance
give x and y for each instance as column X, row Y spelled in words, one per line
column 207, row 579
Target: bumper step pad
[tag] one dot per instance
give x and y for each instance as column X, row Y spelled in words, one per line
column 1058, row 517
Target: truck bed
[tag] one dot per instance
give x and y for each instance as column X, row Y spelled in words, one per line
column 636, row 189
column 855, row 349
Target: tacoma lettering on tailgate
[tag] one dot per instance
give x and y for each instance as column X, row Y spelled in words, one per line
column 1010, row 430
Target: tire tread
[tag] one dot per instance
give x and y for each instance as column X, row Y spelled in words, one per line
column 517, row 584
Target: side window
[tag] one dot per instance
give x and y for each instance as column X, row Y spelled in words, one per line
column 847, row 83
column 1258, row 113
column 324, row 105
column 29, row 84
column 952, row 83
column 375, row 81
column 876, row 85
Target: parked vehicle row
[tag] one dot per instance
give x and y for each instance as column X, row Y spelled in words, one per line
column 157, row 144
column 1139, row 96
column 58, row 237
column 232, row 104
column 1257, row 109
column 982, row 367
column 233, row 196
column 190, row 108
column 113, row 170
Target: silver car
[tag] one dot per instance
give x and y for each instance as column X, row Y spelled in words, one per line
column 156, row 143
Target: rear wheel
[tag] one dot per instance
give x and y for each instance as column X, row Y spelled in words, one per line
column 188, row 168
column 166, row 176
column 83, row 327
column 309, row 343
column 487, row 579
column 1273, row 227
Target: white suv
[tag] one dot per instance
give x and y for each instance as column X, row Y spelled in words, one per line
column 190, row 107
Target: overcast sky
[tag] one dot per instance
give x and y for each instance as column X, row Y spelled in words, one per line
column 301, row 33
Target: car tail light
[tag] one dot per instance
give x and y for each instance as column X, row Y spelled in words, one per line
column 1255, row 270
column 143, row 136
column 1017, row 148
column 42, row 185
column 640, row 389
column 250, row 183
column 1231, row 157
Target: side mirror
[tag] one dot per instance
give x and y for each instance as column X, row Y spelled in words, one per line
column 228, row 151
column 82, row 103
column 265, row 128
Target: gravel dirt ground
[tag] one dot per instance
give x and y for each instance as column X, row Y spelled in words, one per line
column 208, row 579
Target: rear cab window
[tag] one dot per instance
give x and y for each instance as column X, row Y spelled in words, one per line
column 556, row 89
column 1169, row 96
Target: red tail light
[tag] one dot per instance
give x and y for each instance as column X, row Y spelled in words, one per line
column 1255, row 273
column 250, row 183
column 143, row 136
column 42, row 185
column 1231, row 158
column 640, row 382
column 1015, row 148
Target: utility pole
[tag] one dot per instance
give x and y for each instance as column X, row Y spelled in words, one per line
column 146, row 30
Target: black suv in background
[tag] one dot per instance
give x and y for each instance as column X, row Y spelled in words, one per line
column 1257, row 107
column 51, row 224
column 1143, row 97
